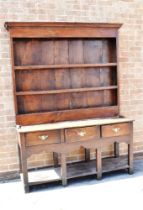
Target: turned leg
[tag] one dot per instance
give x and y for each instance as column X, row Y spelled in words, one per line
column 116, row 149
column 63, row 169
column 99, row 163
column 55, row 159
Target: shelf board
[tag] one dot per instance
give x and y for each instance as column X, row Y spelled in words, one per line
column 61, row 66
column 21, row 93
column 78, row 169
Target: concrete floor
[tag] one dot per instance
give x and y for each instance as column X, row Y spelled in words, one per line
column 115, row 191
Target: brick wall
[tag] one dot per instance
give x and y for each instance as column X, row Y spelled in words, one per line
column 128, row 12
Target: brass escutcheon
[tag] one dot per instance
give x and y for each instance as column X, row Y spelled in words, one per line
column 116, row 130
column 43, row 137
column 82, row 133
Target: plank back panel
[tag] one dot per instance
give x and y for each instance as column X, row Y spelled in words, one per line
column 62, row 77
column 58, row 116
column 65, row 51
column 93, row 54
column 78, row 100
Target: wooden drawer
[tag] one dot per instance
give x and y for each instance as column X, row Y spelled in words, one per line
column 80, row 134
column 115, row 130
column 43, row 137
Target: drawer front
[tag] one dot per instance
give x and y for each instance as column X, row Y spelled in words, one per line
column 115, row 130
column 43, row 137
column 80, row 134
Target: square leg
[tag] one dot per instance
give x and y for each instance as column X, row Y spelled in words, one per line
column 99, row 163
column 63, row 169
column 130, row 158
column 87, row 154
column 55, row 159
column 19, row 156
column 23, row 162
column 116, row 149
column 25, row 172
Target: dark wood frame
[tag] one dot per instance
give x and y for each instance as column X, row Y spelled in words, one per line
column 66, row 31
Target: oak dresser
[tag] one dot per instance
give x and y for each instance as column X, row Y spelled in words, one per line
column 66, row 96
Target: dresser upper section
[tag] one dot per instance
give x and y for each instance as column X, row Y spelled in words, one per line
column 64, row 71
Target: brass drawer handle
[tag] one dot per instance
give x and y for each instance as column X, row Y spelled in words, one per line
column 82, row 133
column 116, row 130
column 43, row 137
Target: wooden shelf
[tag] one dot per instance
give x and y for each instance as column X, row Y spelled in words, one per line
column 79, row 169
column 62, row 74
column 61, row 66
column 21, row 93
